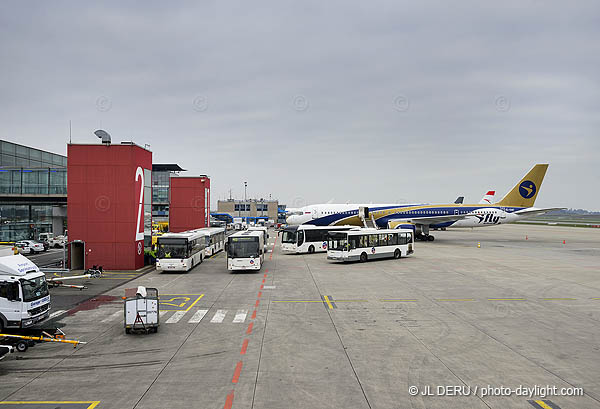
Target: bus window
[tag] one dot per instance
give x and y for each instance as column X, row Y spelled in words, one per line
column 383, row 241
column 392, row 239
column 300, row 237
column 354, row 242
column 373, row 240
column 364, row 241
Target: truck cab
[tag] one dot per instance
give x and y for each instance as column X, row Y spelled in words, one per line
column 24, row 295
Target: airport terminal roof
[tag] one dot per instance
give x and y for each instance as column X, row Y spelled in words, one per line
column 173, row 167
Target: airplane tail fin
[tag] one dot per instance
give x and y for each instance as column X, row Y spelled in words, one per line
column 525, row 192
column 488, row 197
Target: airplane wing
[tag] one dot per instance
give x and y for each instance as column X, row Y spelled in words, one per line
column 532, row 211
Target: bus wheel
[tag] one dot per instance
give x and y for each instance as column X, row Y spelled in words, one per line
column 363, row 257
column 397, row 254
column 430, row 238
column 311, row 249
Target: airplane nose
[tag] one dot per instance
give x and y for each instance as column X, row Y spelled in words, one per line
column 291, row 220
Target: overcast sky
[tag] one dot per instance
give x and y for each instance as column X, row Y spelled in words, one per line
column 311, row 101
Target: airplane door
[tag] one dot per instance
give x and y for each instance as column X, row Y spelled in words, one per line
column 456, row 211
column 315, row 214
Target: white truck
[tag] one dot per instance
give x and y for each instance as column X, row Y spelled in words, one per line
column 24, row 295
column 53, row 241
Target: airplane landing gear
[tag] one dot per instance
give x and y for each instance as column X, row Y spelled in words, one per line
column 425, row 237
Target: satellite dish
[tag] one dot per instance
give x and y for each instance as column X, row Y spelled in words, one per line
column 103, row 135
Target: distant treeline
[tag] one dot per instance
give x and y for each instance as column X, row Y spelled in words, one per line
column 573, row 211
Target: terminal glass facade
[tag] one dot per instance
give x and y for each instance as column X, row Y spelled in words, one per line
column 33, row 190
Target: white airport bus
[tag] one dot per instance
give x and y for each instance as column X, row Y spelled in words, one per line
column 367, row 244
column 306, row 238
column 245, row 250
column 215, row 240
column 265, row 234
column 180, row 251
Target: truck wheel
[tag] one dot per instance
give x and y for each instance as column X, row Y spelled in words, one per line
column 397, row 254
column 128, row 330
column 363, row 257
column 311, row 249
column 22, row 346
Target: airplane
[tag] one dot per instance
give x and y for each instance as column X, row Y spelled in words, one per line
column 516, row 205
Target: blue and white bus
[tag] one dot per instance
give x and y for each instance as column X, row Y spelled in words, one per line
column 363, row 244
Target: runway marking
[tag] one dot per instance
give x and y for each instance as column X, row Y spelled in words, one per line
column 177, row 315
column 297, row 301
column 244, row 347
column 595, row 298
column 455, row 299
column 506, row 299
column 558, row 299
column 197, row 317
column 269, row 287
column 543, row 404
column 229, row 401
column 401, row 300
column 240, row 316
column 328, row 302
column 91, row 404
column 237, row 372
column 249, row 330
column 112, row 316
column 185, row 301
column 56, row 313
column 219, row 316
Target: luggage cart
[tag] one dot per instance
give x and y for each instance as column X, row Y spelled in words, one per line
column 141, row 310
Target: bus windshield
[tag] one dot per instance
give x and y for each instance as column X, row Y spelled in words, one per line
column 172, row 248
column 289, row 236
column 243, row 247
column 337, row 241
column 34, row 288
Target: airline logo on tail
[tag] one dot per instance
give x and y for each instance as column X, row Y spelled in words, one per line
column 527, row 189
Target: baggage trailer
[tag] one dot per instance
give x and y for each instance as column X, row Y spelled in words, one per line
column 141, row 310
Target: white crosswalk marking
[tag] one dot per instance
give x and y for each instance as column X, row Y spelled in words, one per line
column 219, row 316
column 197, row 317
column 176, row 317
column 112, row 316
column 56, row 313
column 162, row 313
column 240, row 316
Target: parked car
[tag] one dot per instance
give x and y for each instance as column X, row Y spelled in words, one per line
column 53, row 241
column 29, row 247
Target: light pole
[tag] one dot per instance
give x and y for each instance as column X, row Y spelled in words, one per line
column 245, row 199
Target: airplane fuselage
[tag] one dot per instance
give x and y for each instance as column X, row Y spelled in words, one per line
column 479, row 215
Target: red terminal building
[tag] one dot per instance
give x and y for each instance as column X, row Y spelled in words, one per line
column 109, row 207
column 189, row 206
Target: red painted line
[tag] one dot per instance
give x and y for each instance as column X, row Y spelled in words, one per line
column 254, row 315
column 257, row 301
column 249, row 330
column 263, row 281
column 259, row 294
column 265, row 276
column 262, row 286
column 244, row 347
column 229, row 401
column 236, row 373
column 266, row 271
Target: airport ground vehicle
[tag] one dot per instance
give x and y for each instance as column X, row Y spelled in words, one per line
column 245, row 250
column 141, row 309
column 53, row 241
column 307, row 238
column 265, row 234
column 180, row 251
column 367, row 244
column 29, row 247
column 215, row 240
column 24, row 295
column 238, row 223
